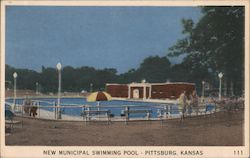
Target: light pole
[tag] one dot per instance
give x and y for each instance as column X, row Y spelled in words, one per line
column 14, row 100
column 220, row 75
column 59, row 67
column 203, row 90
column 36, row 88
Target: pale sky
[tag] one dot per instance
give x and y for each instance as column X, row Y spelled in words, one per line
column 100, row 37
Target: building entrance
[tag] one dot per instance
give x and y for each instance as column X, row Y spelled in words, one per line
column 136, row 94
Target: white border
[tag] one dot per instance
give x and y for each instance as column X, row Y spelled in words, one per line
column 209, row 151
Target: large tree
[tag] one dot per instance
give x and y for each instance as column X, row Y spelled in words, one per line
column 214, row 44
column 155, row 69
column 152, row 69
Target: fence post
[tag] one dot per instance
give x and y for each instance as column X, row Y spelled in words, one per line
column 204, row 105
column 38, row 104
column 55, row 110
column 215, row 108
column 196, row 110
column 22, row 106
column 107, row 114
column 169, row 111
column 165, row 111
column 88, row 113
column 82, row 112
column 126, row 114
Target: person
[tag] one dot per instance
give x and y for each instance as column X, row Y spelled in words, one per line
column 183, row 103
column 194, row 101
column 27, row 105
column 33, row 109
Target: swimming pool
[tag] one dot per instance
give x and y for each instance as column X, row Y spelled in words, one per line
column 116, row 107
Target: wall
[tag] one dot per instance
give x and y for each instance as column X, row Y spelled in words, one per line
column 117, row 90
column 171, row 91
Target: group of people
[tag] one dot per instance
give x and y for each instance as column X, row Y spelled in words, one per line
column 188, row 103
column 231, row 104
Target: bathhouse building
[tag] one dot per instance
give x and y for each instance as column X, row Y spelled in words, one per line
column 144, row 90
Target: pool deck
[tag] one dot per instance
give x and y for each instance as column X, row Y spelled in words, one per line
column 226, row 129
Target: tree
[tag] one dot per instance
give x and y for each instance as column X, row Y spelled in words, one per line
column 69, row 79
column 155, row 69
column 128, row 77
column 104, row 76
column 26, row 78
column 49, row 79
column 215, row 44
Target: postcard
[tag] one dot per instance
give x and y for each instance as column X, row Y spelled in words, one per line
column 124, row 79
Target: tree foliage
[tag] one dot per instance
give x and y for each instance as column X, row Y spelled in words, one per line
column 215, row 44
column 73, row 79
column 153, row 69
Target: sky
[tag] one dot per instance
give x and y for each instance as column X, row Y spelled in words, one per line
column 100, row 37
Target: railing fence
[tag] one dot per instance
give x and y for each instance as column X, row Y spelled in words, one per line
column 50, row 110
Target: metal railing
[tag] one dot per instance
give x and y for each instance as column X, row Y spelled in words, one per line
column 74, row 112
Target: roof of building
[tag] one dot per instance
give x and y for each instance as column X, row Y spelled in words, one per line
column 107, row 84
column 173, row 83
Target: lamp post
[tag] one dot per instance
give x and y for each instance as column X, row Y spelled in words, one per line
column 203, row 90
column 14, row 100
column 220, row 75
column 59, row 68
